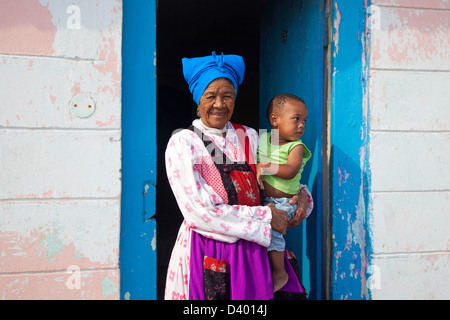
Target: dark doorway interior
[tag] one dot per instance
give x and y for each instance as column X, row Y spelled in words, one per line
column 191, row 29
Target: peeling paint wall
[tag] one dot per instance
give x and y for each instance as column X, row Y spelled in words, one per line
column 59, row 172
column 389, row 149
column 409, row 149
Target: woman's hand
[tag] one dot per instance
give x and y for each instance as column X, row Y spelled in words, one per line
column 302, row 204
column 279, row 219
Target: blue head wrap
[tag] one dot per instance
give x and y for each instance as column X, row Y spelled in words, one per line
column 201, row 71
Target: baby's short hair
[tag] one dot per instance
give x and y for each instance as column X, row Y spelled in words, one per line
column 276, row 104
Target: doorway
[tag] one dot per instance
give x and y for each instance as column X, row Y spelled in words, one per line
column 193, row 30
column 243, row 28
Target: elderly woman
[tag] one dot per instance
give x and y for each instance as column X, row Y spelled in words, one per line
column 220, row 251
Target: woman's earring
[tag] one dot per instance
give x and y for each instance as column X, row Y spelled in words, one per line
column 198, row 114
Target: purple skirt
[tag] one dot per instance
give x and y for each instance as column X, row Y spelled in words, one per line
column 234, row 271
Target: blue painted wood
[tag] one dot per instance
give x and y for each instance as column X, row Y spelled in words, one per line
column 292, row 37
column 350, row 176
column 138, row 230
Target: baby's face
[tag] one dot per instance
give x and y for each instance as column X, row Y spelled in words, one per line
column 291, row 122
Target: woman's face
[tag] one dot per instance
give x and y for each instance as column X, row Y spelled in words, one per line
column 217, row 103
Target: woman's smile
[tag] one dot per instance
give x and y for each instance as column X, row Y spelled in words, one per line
column 218, row 114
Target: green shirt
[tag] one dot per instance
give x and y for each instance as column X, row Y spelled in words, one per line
column 279, row 154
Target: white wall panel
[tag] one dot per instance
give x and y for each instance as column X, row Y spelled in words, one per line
column 53, row 235
column 411, row 161
column 36, row 93
column 413, row 276
column 409, row 100
column 411, row 39
column 429, row 4
column 59, row 164
column 410, row 222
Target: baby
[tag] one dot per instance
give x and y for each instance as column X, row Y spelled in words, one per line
column 281, row 157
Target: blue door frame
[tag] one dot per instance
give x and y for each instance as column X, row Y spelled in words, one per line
column 349, row 138
column 138, row 229
column 293, row 34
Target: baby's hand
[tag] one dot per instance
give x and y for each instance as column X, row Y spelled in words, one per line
column 259, row 175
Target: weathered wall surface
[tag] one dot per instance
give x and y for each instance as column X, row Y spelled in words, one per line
column 409, row 149
column 59, row 173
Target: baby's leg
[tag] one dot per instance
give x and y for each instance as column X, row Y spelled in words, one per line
column 279, row 275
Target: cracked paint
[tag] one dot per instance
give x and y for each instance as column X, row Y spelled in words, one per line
column 109, row 288
column 153, row 243
column 337, row 23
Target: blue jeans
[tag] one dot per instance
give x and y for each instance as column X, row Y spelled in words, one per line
column 277, row 242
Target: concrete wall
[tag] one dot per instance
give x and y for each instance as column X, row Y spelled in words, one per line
column 59, row 173
column 409, row 101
